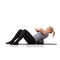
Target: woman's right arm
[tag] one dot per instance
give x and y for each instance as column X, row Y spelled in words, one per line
column 41, row 30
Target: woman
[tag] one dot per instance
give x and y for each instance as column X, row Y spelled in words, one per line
column 36, row 39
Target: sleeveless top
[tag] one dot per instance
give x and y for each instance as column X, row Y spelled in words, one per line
column 40, row 36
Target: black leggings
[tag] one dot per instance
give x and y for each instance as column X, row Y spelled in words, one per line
column 23, row 34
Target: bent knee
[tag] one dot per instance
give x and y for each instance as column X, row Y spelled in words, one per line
column 25, row 30
column 20, row 30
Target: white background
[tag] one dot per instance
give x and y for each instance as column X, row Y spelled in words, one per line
column 29, row 14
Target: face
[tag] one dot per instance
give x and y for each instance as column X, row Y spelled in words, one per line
column 49, row 29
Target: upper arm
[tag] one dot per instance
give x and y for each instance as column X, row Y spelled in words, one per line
column 43, row 31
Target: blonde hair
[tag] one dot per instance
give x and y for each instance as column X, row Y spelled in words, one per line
column 53, row 33
column 52, row 30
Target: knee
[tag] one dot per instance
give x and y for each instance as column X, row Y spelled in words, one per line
column 25, row 30
column 20, row 30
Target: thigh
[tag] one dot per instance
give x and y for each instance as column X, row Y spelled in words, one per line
column 29, row 38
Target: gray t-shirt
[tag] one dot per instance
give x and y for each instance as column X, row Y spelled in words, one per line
column 40, row 36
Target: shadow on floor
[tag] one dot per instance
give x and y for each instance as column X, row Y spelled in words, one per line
column 39, row 44
column 32, row 45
